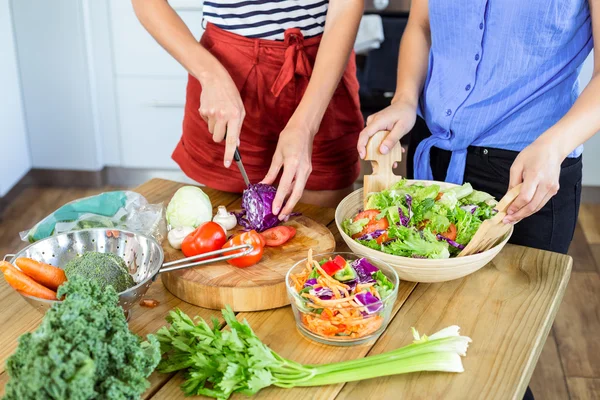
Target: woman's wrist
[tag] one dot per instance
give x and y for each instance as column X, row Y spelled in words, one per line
column 555, row 144
column 406, row 98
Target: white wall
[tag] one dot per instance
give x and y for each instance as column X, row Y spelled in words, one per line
column 51, row 48
column 14, row 159
column 591, row 160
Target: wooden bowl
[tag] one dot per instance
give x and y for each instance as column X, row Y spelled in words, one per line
column 415, row 269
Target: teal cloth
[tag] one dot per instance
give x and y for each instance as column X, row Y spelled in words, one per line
column 105, row 204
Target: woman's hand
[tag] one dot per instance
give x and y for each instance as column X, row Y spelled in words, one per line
column 538, row 168
column 293, row 153
column 399, row 119
column 222, row 108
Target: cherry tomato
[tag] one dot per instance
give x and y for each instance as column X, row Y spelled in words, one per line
column 276, row 236
column 209, row 236
column 331, row 267
column 251, row 237
column 292, row 231
column 373, row 225
column 339, row 260
column 451, row 232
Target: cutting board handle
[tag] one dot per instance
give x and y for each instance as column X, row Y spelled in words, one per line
column 383, row 175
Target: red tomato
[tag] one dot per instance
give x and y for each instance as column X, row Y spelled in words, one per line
column 209, row 236
column 339, row 260
column 292, row 231
column 373, row 225
column 276, row 236
column 253, row 257
column 331, row 267
column 451, row 232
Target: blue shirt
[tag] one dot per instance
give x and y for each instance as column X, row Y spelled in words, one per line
column 501, row 72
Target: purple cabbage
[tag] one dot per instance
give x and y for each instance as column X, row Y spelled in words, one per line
column 470, row 208
column 403, row 218
column 372, row 235
column 310, row 282
column 371, row 303
column 257, row 208
column 364, row 270
column 351, row 285
column 450, row 242
column 322, row 293
column 409, row 205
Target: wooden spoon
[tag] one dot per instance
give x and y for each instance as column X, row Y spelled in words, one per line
column 383, row 175
column 492, row 230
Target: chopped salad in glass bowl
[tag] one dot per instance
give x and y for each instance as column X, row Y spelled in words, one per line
column 342, row 298
column 420, row 221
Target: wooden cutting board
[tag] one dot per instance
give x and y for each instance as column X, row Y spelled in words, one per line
column 260, row 287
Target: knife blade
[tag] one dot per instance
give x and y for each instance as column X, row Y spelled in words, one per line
column 238, row 161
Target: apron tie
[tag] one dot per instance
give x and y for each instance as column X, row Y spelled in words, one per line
column 295, row 61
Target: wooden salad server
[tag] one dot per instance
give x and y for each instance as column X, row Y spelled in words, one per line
column 492, row 230
column 383, row 175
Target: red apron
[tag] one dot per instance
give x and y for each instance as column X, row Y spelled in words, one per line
column 271, row 76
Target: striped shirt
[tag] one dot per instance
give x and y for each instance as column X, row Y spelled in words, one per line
column 267, row 19
column 500, row 74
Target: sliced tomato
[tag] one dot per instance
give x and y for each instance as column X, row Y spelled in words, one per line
column 451, row 232
column 292, row 231
column 339, row 260
column 276, row 236
column 331, row 267
column 251, row 237
column 373, row 225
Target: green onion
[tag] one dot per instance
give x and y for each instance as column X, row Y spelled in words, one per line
column 218, row 363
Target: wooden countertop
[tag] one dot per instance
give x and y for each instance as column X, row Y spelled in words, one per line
column 507, row 308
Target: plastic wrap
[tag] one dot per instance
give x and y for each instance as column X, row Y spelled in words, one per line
column 119, row 209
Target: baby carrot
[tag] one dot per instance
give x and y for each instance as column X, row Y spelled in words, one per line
column 48, row 275
column 24, row 284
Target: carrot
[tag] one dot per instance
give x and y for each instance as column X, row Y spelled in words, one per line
column 24, row 284
column 48, row 275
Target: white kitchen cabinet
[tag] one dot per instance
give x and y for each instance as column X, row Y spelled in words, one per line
column 136, row 53
column 151, row 115
column 14, row 159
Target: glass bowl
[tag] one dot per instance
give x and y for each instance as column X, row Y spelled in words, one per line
column 336, row 324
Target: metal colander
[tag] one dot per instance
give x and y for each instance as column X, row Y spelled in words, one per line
column 142, row 254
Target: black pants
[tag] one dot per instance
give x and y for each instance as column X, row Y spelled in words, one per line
column 488, row 169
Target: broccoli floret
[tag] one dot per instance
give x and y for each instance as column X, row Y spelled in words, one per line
column 83, row 349
column 104, row 268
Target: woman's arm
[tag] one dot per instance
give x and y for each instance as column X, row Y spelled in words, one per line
column 226, row 111
column 538, row 165
column 413, row 59
column 294, row 148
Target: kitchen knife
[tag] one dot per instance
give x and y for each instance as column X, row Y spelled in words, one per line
column 238, row 161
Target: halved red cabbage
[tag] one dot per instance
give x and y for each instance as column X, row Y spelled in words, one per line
column 257, row 208
column 372, row 304
column 450, row 242
column 322, row 293
column 372, row 235
column 364, row 269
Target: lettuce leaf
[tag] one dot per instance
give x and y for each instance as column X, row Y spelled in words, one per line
column 352, row 228
column 410, row 241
